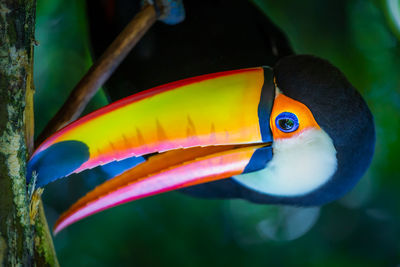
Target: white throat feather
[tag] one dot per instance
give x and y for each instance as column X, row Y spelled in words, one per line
column 299, row 165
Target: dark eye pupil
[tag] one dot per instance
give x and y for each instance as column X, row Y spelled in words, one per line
column 286, row 124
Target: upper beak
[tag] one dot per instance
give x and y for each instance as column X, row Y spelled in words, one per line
column 192, row 131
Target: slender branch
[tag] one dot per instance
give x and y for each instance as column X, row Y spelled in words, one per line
column 45, row 254
column 101, row 71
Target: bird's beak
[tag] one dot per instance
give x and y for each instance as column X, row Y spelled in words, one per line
column 190, row 132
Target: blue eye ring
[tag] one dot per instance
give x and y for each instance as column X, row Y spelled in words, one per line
column 287, row 122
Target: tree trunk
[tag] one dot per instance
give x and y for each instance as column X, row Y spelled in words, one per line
column 24, row 238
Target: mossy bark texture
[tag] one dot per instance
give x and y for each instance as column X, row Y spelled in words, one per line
column 21, row 244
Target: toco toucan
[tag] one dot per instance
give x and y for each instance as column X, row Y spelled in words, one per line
column 297, row 133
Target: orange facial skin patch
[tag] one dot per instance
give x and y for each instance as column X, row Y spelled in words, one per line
column 283, row 103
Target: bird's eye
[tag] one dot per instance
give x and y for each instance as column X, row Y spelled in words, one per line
column 287, row 122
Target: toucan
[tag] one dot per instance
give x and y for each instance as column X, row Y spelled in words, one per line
column 297, row 134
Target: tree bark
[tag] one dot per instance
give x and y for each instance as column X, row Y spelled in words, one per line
column 24, row 241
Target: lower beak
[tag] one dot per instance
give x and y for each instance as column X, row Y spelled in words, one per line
column 191, row 132
column 166, row 172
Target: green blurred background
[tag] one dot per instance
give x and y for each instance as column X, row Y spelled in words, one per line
column 361, row 229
